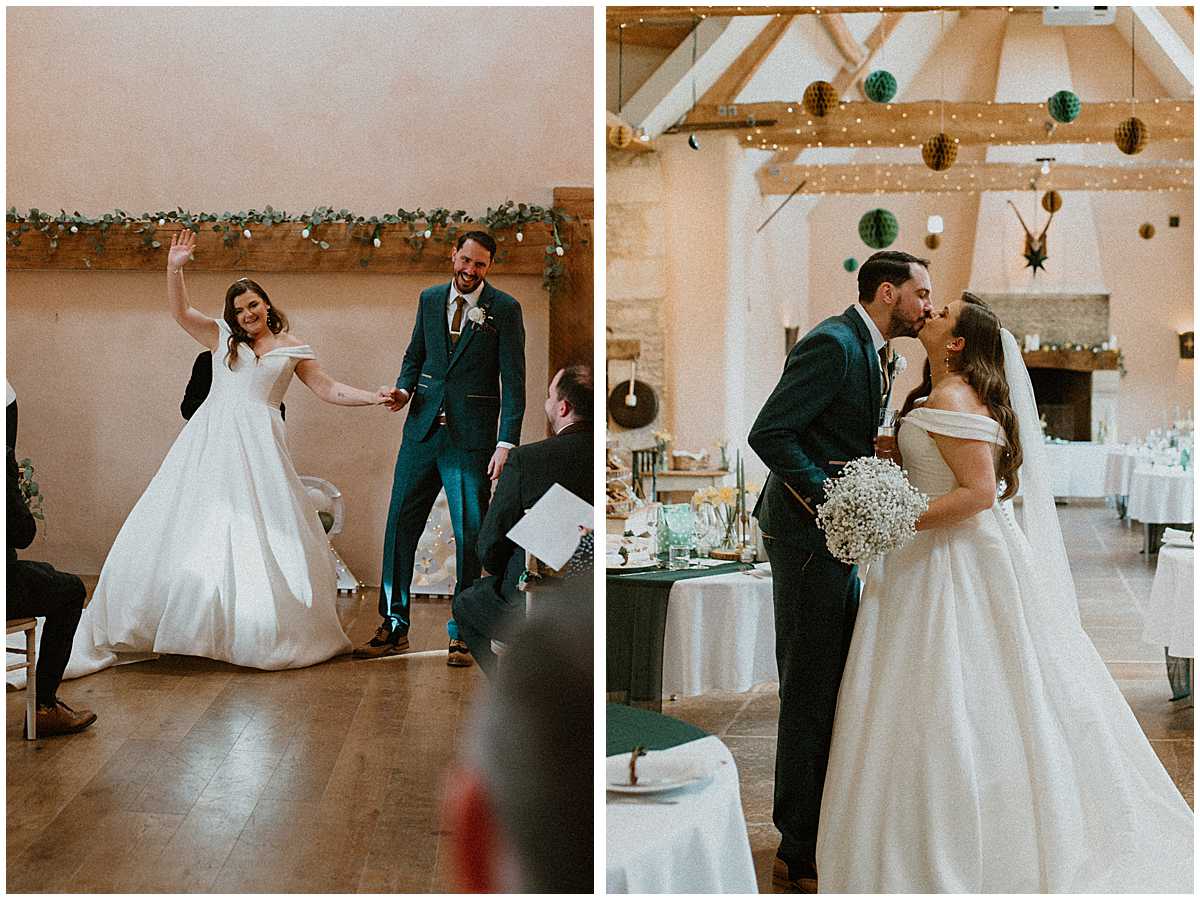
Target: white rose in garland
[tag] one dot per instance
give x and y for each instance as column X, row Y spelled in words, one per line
column 871, row 509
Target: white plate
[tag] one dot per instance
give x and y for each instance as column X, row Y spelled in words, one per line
column 657, row 773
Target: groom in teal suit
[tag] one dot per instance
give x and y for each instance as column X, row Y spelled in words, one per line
column 463, row 378
column 824, row 412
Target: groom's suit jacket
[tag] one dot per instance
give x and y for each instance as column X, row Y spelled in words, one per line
column 823, row 413
column 480, row 382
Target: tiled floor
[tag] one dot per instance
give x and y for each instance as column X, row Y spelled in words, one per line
column 203, row 776
column 1112, row 578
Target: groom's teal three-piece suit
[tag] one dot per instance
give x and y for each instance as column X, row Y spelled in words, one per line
column 823, row 413
column 465, row 398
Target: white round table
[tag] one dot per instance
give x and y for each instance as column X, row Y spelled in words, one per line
column 1169, row 612
column 720, row 634
column 1077, row 468
column 1118, row 467
column 688, row 841
column 1159, row 496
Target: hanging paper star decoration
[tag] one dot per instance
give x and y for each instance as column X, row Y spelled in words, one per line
column 1035, row 256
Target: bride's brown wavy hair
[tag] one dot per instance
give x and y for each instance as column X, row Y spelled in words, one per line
column 981, row 364
column 276, row 320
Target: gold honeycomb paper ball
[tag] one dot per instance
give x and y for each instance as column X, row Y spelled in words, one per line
column 933, row 241
column 820, row 97
column 620, row 136
column 1131, row 136
column 939, row 152
column 1146, row 231
column 1052, row 201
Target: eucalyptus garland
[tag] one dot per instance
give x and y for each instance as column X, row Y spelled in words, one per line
column 439, row 225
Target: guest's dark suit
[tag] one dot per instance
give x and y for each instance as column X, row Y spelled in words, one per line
column 38, row 589
column 481, row 609
column 823, row 413
column 480, row 383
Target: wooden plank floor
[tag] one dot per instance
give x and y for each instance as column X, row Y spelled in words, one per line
column 201, row 776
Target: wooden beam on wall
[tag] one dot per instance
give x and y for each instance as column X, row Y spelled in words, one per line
column 571, row 301
column 661, row 15
column 279, row 248
column 738, row 75
column 968, row 177
column 863, row 123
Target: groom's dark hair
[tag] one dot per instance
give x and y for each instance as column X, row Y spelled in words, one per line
column 482, row 238
column 892, row 266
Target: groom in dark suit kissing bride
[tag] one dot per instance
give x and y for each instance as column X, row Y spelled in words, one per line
column 824, row 412
column 463, row 379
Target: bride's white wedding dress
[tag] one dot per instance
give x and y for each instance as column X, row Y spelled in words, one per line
column 224, row 555
column 980, row 744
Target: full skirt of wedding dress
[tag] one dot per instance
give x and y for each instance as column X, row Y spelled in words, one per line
column 980, row 744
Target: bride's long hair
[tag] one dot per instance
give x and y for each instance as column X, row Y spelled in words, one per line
column 981, row 365
column 276, row 320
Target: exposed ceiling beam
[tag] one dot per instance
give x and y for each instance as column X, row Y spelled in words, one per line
column 861, row 124
column 1169, row 58
column 738, row 75
column 665, row 35
column 910, row 178
column 666, row 96
column 850, row 75
column 852, row 51
column 655, row 15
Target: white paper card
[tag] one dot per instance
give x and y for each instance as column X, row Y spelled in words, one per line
column 549, row 530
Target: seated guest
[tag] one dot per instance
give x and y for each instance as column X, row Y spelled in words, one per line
column 37, row 589
column 200, row 384
column 565, row 458
column 519, row 805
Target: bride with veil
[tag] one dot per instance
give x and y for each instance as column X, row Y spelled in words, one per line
column 980, row 743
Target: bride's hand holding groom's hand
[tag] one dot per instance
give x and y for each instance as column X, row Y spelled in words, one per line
column 393, row 398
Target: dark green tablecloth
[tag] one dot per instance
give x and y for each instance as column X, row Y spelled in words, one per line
column 626, row 727
column 636, row 624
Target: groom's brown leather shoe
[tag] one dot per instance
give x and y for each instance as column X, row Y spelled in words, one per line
column 61, row 719
column 788, row 879
column 384, row 643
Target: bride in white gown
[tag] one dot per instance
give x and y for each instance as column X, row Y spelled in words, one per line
column 224, row 555
column 980, row 744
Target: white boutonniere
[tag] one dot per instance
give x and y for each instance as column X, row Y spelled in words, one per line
column 899, row 364
column 478, row 316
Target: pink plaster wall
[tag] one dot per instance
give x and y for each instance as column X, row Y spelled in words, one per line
column 233, row 108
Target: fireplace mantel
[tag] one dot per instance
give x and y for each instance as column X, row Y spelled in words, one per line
column 1072, row 360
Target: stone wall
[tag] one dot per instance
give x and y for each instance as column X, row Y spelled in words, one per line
column 1055, row 318
column 637, row 280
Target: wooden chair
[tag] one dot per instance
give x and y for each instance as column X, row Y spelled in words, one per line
column 29, row 626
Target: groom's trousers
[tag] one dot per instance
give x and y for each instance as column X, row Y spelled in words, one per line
column 816, row 601
column 423, row 468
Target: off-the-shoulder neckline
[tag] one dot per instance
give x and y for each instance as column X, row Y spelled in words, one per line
column 951, row 412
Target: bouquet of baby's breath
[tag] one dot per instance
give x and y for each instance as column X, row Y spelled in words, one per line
column 870, row 509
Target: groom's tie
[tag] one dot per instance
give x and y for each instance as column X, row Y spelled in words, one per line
column 456, row 322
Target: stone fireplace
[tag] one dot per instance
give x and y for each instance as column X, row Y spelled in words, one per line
column 1076, row 390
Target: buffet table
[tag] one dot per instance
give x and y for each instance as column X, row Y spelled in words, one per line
column 690, row 839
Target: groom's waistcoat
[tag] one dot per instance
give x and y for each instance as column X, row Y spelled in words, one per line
column 823, row 413
column 479, row 382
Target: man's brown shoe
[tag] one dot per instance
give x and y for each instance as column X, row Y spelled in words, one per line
column 793, row 879
column 385, row 643
column 61, row 719
column 458, row 655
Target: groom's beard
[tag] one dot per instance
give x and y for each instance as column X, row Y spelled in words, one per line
column 466, row 285
column 898, row 326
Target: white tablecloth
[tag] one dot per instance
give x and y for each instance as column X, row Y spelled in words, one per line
column 1118, row 468
column 1159, row 496
column 1169, row 612
column 1077, row 469
column 689, row 841
column 720, row 634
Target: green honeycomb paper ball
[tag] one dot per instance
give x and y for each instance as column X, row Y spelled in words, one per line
column 880, row 86
column 878, row 228
column 1064, row 106
column 850, row 264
